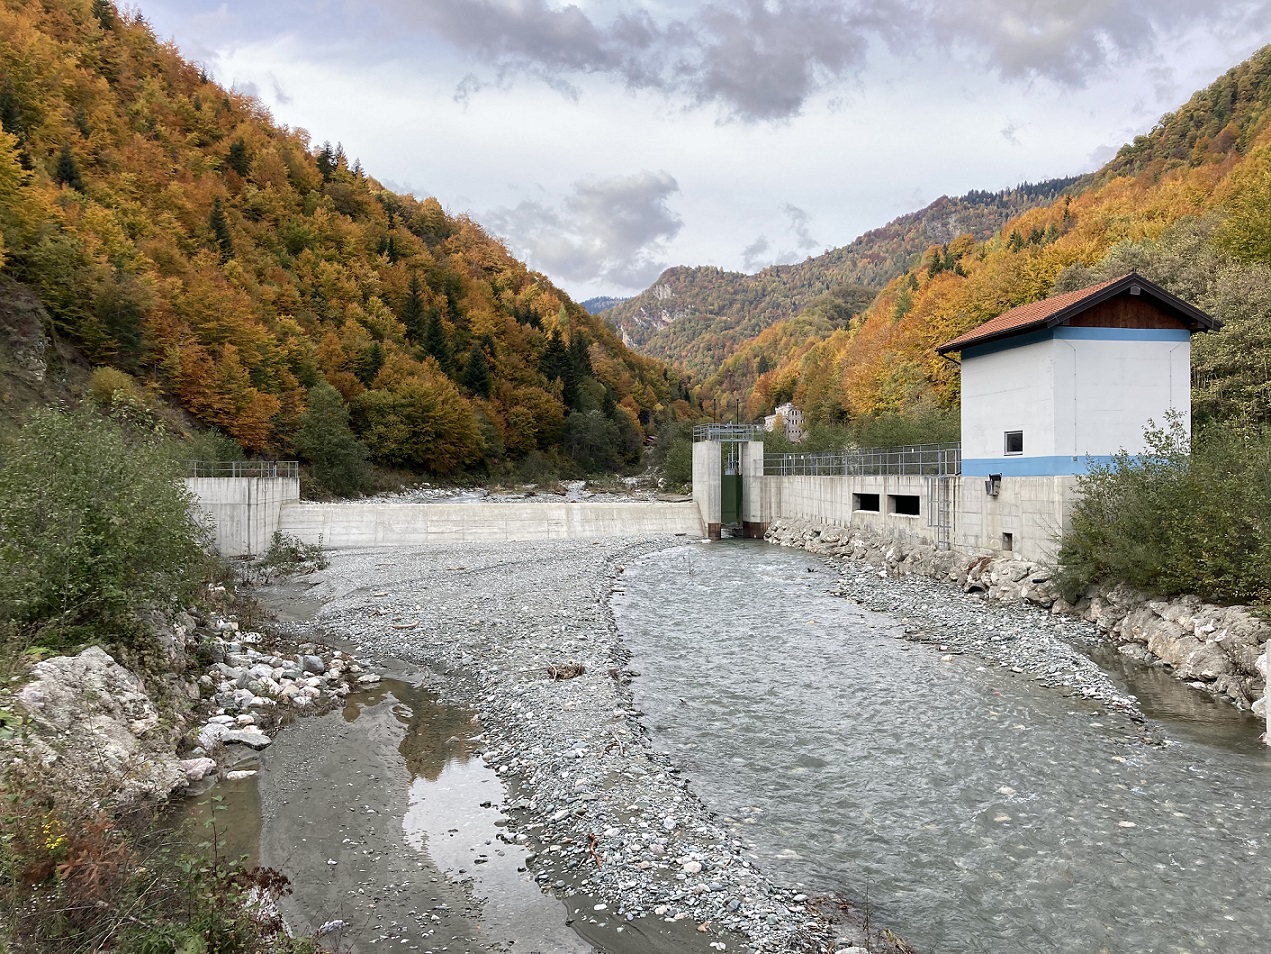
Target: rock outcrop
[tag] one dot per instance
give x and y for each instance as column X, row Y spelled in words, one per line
column 1221, row 649
column 95, row 731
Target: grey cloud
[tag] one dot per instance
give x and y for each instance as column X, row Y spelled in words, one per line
column 755, row 255
column 1010, row 132
column 761, row 253
column 798, row 219
column 756, row 60
column 612, row 229
column 280, row 94
column 1069, row 40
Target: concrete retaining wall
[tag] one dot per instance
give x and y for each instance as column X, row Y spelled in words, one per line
column 1032, row 510
column 243, row 511
column 382, row 524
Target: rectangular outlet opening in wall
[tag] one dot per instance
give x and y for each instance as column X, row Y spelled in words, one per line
column 1013, row 442
column 867, row 502
column 1008, row 541
column 907, row 505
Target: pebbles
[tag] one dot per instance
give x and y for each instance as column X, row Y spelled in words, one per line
column 604, row 817
column 1019, row 637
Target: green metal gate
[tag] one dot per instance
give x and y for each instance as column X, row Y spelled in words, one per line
column 730, row 500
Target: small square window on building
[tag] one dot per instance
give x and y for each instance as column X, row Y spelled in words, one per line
column 865, row 502
column 1008, row 541
column 1014, row 442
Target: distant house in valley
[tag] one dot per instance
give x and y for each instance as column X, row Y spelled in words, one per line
column 1051, row 386
column 791, row 419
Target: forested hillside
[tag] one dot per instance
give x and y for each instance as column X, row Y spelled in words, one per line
column 1188, row 206
column 174, row 232
column 698, row 317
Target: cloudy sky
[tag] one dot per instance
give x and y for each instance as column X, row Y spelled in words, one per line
column 607, row 139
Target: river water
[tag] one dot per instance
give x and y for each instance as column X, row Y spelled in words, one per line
column 971, row 809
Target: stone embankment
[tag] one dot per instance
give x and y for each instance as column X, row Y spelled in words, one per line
column 1219, row 649
column 93, row 730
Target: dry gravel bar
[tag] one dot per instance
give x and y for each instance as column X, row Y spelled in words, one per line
column 609, row 823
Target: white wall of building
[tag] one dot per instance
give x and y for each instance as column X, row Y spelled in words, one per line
column 1078, row 394
column 1008, row 389
column 1113, row 386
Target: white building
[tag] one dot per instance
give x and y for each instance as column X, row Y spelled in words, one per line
column 1050, row 387
column 791, row 421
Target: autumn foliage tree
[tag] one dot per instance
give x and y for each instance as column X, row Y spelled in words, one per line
column 172, row 229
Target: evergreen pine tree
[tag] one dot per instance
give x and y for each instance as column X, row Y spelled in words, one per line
column 476, row 376
column 104, row 11
column 10, row 112
column 413, row 311
column 555, row 360
column 220, row 230
column 67, row 172
column 369, row 362
column 238, row 159
column 436, row 343
column 326, row 161
column 580, row 355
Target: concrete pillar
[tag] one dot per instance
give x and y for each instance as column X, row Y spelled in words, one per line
column 243, row 512
column 708, row 481
column 754, row 521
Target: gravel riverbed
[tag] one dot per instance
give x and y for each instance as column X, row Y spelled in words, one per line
column 1026, row 639
column 522, row 636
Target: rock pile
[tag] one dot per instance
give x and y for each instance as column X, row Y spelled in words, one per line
column 94, row 732
column 250, row 688
column 1214, row 648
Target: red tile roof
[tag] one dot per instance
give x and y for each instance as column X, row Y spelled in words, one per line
column 1051, row 311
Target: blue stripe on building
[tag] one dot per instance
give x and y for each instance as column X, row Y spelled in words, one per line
column 1031, row 466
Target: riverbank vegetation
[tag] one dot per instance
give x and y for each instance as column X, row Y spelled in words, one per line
column 1186, row 517
column 96, row 538
column 94, row 523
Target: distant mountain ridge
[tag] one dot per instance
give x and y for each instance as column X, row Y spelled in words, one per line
column 697, row 317
column 601, row 303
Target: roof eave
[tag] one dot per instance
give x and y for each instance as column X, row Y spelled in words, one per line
column 1207, row 322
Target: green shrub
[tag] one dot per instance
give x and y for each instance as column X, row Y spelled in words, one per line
column 291, row 553
column 94, row 524
column 1176, row 520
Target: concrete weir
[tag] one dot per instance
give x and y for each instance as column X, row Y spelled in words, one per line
column 402, row 524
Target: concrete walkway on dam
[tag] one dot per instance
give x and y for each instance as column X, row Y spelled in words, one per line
column 402, row 524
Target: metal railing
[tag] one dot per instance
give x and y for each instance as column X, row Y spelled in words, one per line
column 934, row 460
column 244, row 468
column 727, row 433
